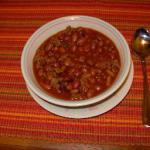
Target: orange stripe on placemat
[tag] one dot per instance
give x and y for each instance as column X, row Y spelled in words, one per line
column 28, row 120
column 79, row 138
column 94, row 133
column 28, row 111
column 72, row 9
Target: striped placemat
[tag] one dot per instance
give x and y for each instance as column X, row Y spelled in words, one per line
column 22, row 117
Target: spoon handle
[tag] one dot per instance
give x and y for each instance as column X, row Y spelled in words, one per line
column 146, row 101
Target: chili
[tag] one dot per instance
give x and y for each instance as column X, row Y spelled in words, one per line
column 76, row 63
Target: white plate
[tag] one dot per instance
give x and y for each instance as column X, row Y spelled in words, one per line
column 89, row 111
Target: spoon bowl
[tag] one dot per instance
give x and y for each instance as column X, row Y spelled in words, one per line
column 141, row 42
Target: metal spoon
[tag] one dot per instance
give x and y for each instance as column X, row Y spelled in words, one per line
column 141, row 45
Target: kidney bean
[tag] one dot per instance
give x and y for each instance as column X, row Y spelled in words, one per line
column 94, row 55
column 112, row 56
column 84, row 89
column 71, row 71
column 67, row 62
column 98, row 88
column 98, row 65
column 40, row 73
column 112, row 47
column 74, row 37
column 81, row 41
column 74, row 91
column 90, row 62
column 93, row 46
column 116, row 63
column 107, row 42
column 56, row 64
column 74, row 48
column 85, row 70
column 37, row 66
column 50, row 53
column 49, row 76
column 90, row 93
column 55, row 83
column 110, row 72
column 62, row 50
column 81, row 59
column 87, row 48
column 93, row 72
column 55, row 48
column 67, row 38
column 100, row 43
column 99, row 71
column 108, row 80
column 105, row 48
column 48, row 46
column 100, row 50
column 45, row 85
column 99, row 38
column 76, row 84
column 81, row 49
column 92, row 80
column 76, row 96
column 48, row 68
column 69, row 87
column 77, row 72
column 41, row 53
column 98, row 79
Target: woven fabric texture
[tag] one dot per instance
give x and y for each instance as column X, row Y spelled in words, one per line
column 22, row 117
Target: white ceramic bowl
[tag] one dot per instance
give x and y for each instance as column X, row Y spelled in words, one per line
column 75, row 21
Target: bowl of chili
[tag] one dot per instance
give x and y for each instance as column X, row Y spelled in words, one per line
column 75, row 61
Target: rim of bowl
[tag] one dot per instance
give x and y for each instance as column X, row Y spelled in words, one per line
column 68, row 103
